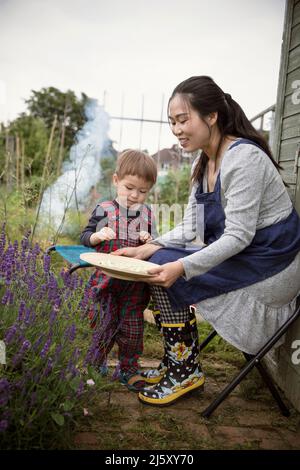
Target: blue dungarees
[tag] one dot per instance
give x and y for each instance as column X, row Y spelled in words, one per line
column 272, row 249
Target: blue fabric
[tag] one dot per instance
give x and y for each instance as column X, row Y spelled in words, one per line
column 214, row 215
column 272, row 249
column 72, row 252
column 245, row 141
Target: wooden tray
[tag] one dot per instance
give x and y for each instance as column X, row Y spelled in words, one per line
column 120, row 267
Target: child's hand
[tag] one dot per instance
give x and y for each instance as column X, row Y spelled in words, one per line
column 145, row 236
column 106, row 233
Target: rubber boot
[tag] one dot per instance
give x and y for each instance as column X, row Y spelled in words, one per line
column 184, row 373
column 153, row 376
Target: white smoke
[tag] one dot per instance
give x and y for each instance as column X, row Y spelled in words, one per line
column 81, row 171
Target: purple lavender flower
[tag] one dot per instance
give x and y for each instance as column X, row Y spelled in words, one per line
column 53, row 316
column 31, row 286
column 17, row 359
column 57, row 303
column 24, row 246
column 36, row 249
column 19, row 384
column 21, row 310
column 80, row 388
column 3, row 425
column 16, row 247
column 75, row 281
column 27, row 316
column 4, row 384
column 45, row 349
column 58, row 351
column 25, row 346
column 2, row 240
column 49, row 367
column 32, row 318
column 62, row 375
column 47, row 260
column 10, row 334
column 52, row 287
column 5, row 298
column 43, row 290
column 38, row 342
column 3, row 400
column 71, row 332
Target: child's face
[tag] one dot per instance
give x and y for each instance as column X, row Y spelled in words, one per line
column 131, row 190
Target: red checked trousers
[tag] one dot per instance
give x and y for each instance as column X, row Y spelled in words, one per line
column 117, row 314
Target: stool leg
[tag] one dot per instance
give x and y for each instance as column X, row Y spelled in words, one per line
column 207, row 340
column 228, row 389
column 269, row 382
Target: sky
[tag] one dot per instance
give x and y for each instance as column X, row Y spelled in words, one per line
column 135, row 51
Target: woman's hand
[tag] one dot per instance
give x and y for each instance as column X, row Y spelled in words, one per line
column 166, row 274
column 139, row 252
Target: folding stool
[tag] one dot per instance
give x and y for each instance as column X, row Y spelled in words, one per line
column 254, row 361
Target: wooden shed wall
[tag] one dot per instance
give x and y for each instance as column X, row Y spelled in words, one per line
column 287, row 153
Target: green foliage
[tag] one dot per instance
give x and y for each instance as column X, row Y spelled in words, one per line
column 48, row 102
column 108, row 166
column 75, row 222
column 14, row 211
column 31, row 131
column 175, row 186
column 172, row 189
column 34, row 134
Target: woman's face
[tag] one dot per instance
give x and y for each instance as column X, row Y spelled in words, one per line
column 190, row 129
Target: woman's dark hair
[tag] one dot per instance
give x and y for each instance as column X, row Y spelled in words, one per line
column 206, row 97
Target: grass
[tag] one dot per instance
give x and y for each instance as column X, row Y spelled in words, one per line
column 153, row 346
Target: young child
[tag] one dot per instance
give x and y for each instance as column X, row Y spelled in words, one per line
column 119, row 304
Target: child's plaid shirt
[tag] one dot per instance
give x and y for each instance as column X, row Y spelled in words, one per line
column 127, row 225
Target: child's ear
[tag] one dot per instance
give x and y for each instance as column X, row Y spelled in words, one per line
column 115, row 179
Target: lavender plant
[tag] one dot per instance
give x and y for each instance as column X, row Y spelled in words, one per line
column 46, row 335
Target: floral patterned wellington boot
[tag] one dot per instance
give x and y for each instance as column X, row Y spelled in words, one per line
column 184, row 373
column 153, row 376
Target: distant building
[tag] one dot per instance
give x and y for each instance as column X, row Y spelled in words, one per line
column 169, row 158
column 172, row 158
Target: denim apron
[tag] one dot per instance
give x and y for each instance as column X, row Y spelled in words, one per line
column 272, row 249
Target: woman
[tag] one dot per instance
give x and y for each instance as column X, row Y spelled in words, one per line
column 245, row 278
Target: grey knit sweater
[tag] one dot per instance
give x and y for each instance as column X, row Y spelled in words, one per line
column 253, row 197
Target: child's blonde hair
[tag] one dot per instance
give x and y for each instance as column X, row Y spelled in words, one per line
column 136, row 163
